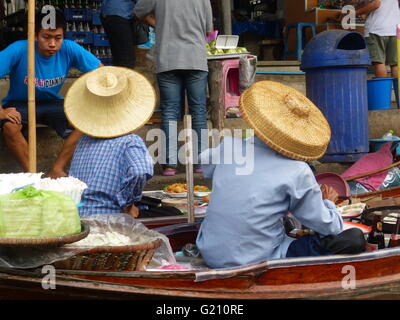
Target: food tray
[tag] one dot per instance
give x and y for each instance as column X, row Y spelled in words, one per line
column 117, row 258
column 175, row 195
column 46, row 242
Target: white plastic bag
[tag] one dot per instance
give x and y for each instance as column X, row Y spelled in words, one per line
column 247, row 72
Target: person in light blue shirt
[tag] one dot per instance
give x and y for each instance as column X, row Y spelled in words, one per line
column 258, row 181
column 54, row 56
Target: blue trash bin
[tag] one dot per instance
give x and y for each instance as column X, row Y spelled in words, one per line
column 336, row 63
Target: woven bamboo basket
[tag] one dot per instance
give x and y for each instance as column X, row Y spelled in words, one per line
column 113, row 258
column 46, row 242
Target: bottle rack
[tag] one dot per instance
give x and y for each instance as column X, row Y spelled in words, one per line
column 84, row 25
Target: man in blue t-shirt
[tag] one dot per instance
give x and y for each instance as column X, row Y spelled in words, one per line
column 54, row 56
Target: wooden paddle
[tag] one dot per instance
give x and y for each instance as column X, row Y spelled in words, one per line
column 31, row 86
column 363, row 175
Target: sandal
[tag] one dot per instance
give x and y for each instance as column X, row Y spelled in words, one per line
column 169, row 172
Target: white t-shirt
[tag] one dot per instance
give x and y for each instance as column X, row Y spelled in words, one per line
column 383, row 21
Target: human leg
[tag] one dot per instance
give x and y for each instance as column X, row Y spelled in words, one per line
column 196, row 88
column 391, row 56
column 377, row 51
column 15, row 135
column 394, row 71
column 170, row 85
column 16, row 143
column 51, row 113
column 350, row 241
column 65, row 155
column 380, row 70
column 120, row 35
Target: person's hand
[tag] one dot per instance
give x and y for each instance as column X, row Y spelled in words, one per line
column 328, row 193
column 133, row 211
column 10, row 114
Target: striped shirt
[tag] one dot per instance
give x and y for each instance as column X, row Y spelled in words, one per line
column 115, row 170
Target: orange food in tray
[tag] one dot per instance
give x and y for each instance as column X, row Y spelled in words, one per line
column 176, row 188
column 182, row 187
column 201, row 189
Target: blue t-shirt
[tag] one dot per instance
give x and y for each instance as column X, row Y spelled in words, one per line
column 50, row 73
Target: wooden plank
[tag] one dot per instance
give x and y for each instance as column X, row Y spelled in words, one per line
column 323, row 14
column 310, row 4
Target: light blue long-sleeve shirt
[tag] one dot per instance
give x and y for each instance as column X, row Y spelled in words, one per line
column 243, row 223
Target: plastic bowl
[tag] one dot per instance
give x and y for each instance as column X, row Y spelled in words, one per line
column 336, row 182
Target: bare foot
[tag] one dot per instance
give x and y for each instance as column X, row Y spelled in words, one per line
column 54, row 174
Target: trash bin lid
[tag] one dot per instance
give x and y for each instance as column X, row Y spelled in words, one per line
column 335, row 48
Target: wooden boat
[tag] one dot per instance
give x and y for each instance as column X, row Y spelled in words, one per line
column 159, row 222
column 375, row 275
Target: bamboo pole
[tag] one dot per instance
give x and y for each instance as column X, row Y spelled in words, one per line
column 31, row 86
column 187, row 122
column 398, row 58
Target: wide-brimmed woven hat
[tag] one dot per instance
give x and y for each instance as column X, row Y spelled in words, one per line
column 285, row 120
column 110, row 102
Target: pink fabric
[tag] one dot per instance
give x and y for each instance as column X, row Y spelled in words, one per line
column 371, row 162
column 212, row 36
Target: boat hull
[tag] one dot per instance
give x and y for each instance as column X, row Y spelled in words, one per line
column 374, row 275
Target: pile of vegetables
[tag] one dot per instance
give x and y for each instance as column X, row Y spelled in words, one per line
column 212, row 50
column 32, row 213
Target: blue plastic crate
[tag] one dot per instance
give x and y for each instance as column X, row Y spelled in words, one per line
column 80, row 37
column 106, row 61
column 96, row 18
column 78, row 14
column 100, row 40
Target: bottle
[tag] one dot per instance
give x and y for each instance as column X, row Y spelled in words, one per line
column 376, row 238
column 390, row 136
column 80, row 27
column 395, row 236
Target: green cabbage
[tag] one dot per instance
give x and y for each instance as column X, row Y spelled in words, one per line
column 32, row 213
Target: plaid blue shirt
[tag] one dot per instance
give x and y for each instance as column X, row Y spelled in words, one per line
column 115, row 170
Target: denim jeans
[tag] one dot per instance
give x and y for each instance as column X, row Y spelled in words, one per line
column 171, row 84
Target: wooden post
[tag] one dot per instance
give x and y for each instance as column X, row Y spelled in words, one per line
column 216, row 90
column 31, row 86
column 227, row 16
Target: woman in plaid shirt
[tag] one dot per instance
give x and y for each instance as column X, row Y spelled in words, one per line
column 115, row 170
column 107, row 105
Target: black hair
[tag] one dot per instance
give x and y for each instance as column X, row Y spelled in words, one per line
column 60, row 20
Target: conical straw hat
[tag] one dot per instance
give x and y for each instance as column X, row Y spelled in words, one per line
column 286, row 120
column 110, row 102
